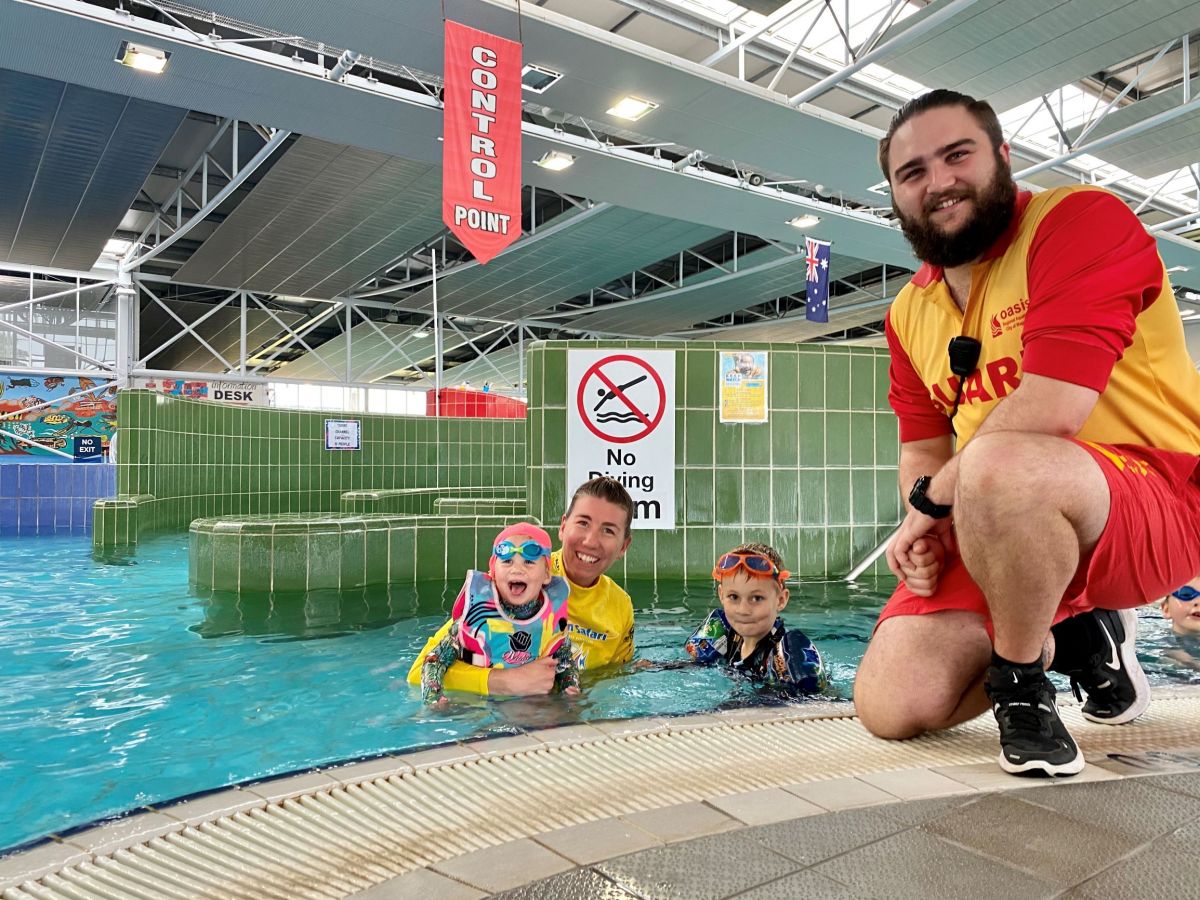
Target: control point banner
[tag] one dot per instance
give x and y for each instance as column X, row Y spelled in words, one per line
column 481, row 152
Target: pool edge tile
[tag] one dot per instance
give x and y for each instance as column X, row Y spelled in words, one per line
column 446, row 755
column 367, row 770
column 30, row 865
column 420, row 883
column 566, row 735
column 492, row 868
column 279, row 789
column 210, row 807
column 597, row 841
column 124, row 832
column 765, row 807
column 917, row 783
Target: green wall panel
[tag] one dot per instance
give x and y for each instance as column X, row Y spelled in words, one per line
column 200, row 459
column 817, row 480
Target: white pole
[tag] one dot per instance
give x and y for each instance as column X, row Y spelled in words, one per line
column 521, row 362
column 437, row 343
column 871, row 557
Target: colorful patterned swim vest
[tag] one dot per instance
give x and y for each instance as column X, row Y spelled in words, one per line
column 489, row 637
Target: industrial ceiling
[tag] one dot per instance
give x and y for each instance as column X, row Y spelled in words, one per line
column 291, row 149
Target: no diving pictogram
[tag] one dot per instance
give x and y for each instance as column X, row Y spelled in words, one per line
column 621, row 399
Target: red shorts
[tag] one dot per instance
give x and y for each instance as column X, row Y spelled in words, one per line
column 1149, row 547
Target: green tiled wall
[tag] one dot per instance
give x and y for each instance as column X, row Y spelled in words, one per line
column 203, row 459
column 817, row 480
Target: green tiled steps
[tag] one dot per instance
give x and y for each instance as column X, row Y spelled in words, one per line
column 195, row 459
column 294, row 553
column 463, row 506
column 425, row 500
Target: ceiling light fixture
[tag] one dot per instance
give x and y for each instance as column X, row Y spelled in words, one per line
column 538, row 78
column 116, row 247
column 808, row 220
column 632, row 108
column 142, row 58
column 555, row 160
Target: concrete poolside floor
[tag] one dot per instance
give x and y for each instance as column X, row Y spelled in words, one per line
column 1133, row 837
column 762, row 802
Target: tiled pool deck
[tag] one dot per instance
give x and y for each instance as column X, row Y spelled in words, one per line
column 783, row 802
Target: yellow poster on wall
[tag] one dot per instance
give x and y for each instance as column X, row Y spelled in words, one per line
column 743, row 380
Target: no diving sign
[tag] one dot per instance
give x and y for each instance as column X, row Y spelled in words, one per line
column 621, row 422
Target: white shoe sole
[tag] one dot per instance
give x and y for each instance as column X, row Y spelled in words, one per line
column 1042, row 767
column 1129, row 661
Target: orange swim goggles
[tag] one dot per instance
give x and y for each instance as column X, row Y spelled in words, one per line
column 755, row 564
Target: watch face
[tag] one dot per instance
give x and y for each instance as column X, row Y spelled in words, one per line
column 923, row 504
column 918, row 489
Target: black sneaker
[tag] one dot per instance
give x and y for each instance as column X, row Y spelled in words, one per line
column 1116, row 687
column 1033, row 739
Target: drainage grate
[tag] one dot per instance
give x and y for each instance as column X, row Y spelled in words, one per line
column 343, row 840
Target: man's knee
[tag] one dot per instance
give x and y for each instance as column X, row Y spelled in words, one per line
column 900, row 714
column 1001, row 464
column 1004, row 474
column 919, row 674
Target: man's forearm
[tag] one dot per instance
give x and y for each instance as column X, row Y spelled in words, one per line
column 1042, row 405
column 931, row 457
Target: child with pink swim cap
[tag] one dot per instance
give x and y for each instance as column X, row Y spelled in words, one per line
column 512, row 614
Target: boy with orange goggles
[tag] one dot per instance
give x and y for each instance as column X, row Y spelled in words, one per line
column 746, row 633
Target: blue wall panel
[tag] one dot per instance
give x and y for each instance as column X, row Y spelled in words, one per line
column 52, row 498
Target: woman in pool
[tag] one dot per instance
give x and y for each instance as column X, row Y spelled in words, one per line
column 512, row 614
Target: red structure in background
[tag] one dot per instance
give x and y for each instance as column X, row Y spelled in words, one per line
column 473, row 405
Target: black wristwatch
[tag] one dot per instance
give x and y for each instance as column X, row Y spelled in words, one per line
column 918, row 501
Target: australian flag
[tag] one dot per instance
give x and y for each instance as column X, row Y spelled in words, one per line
column 816, row 280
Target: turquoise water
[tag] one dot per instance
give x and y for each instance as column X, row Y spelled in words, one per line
column 119, row 687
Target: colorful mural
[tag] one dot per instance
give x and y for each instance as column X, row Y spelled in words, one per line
column 52, row 426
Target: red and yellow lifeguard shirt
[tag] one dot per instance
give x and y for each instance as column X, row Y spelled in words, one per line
column 1074, row 290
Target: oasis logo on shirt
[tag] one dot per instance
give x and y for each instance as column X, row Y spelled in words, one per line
column 1009, row 318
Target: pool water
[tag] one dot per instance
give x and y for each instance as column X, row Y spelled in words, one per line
column 119, row 687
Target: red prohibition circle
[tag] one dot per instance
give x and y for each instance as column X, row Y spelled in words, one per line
column 652, row 424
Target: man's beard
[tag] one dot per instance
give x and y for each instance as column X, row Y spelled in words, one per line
column 994, row 209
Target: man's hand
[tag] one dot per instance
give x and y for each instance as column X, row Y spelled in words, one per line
column 536, row 677
column 917, row 554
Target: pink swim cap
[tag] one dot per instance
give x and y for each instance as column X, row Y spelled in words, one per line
column 538, row 534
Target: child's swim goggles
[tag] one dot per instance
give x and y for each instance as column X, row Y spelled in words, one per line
column 530, row 550
column 1187, row 594
column 754, row 563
